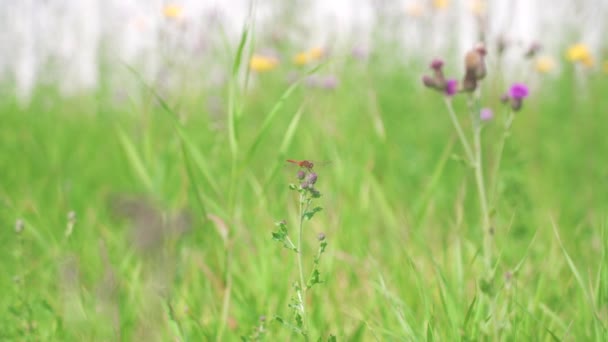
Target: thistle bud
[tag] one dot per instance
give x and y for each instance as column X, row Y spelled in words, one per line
column 429, row 82
column 475, row 67
column 312, row 178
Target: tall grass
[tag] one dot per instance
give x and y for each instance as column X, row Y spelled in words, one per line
column 174, row 214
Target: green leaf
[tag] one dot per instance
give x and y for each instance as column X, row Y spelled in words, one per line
column 308, row 215
column 134, row 159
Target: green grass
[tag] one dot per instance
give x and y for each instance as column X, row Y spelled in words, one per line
column 174, row 214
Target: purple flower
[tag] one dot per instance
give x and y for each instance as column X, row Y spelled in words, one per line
column 451, row 87
column 312, row 178
column 486, row 114
column 360, row 52
column 518, row 91
column 330, row 82
column 436, row 64
column 300, row 175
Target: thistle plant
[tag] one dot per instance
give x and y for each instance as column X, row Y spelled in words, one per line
column 307, row 194
column 475, row 72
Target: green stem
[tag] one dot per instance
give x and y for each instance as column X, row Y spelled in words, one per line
column 304, row 202
column 479, row 179
column 463, row 139
column 501, row 146
column 483, row 202
column 486, row 227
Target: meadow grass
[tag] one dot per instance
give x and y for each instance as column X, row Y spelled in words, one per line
column 173, row 207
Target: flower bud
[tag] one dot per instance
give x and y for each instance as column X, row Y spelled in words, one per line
column 429, row 81
column 475, row 67
column 516, row 104
column 301, row 174
column 312, row 178
column 486, row 114
column 451, row 87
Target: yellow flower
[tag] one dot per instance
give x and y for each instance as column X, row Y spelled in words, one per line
column 414, row 9
column 304, row 58
column 260, row 63
column 441, row 4
column 316, row 53
column 478, row 7
column 578, row 53
column 173, row 11
column 588, row 61
column 544, row 64
column 300, row 58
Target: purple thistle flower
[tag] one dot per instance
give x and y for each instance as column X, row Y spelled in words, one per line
column 300, row 175
column 437, row 64
column 518, row 91
column 451, row 87
column 486, row 114
column 312, row 178
column 360, row 52
column 330, row 82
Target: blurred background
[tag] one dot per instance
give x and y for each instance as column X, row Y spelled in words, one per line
column 68, row 43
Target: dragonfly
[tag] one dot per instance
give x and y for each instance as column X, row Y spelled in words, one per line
column 305, row 164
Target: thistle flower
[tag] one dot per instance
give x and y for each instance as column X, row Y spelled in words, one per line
column 475, row 67
column 312, row 177
column 486, row 114
column 261, row 63
column 438, row 81
column 517, row 93
column 330, row 82
column 360, row 52
column 451, row 87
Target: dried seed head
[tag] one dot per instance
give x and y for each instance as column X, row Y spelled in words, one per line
column 72, row 217
column 19, row 224
column 474, row 62
column 533, row 50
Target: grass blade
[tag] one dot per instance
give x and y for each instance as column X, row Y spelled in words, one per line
column 134, row 159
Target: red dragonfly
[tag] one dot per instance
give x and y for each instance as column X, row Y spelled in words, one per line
column 305, row 164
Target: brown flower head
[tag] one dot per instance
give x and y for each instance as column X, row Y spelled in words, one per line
column 475, row 67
